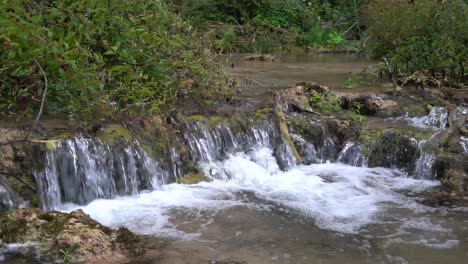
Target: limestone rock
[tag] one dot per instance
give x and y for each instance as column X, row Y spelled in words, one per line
column 68, row 237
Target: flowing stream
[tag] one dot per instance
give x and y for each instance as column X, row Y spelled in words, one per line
column 256, row 205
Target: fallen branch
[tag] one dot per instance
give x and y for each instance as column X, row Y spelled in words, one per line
column 258, row 83
column 392, row 74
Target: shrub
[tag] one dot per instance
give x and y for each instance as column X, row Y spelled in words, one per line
column 422, row 35
column 101, row 57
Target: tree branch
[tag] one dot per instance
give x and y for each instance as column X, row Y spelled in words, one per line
column 44, row 94
column 14, row 176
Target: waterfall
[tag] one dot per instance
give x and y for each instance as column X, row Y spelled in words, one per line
column 351, row 155
column 80, row 170
column 437, row 118
column 210, row 143
column 8, row 198
column 312, row 153
column 464, row 144
column 423, row 168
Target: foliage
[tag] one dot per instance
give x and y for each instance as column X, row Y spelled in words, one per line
column 66, row 255
column 328, row 103
column 311, row 23
column 354, row 80
column 418, row 35
column 355, row 113
column 101, row 57
column 325, row 103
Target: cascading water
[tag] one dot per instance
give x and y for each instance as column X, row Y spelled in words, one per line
column 250, row 196
column 8, row 198
column 81, row 169
column 423, row 168
column 437, row 118
column 464, row 143
column 209, row 143
column 351, row 154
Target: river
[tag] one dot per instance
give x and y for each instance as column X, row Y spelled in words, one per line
column 251, row 211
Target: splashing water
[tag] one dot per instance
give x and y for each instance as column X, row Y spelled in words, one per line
column 336, row 197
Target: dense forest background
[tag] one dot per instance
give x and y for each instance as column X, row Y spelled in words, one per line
column 102, row 59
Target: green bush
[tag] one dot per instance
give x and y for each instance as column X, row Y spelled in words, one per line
column 100, row 57
column 423, row 35
column 315, row 23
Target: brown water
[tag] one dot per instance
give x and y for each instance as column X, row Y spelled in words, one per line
column 260, row 78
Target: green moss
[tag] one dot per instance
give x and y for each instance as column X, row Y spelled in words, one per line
column 262, row 113
column 283, row 128
column 299, row 125
column 112, row 133
column 192, row 178
column 63, row 136
column 367, row 137
column 216, row 120
column 13, row 231
column 130, row 242
column 196, row 118
column 415, row 109
column 51, row 145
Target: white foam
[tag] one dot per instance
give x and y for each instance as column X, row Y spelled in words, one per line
column 338, row 197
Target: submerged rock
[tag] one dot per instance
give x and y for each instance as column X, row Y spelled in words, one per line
column 263, row 58
column 192, row 178
column 73, row 237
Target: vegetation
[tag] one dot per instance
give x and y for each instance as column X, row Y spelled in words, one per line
column 419, row 35
column 123, row 58
column 101, row 58
column 273, row 25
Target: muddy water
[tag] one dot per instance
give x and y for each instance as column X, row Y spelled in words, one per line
column 260, row 78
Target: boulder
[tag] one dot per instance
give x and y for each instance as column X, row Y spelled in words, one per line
column 394, row 150
column 68, row 237
column 452, row 171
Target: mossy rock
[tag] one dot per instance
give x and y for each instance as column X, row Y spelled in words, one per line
column 112, row 134
column 192, row 178
column 452, row 171
column 415, row 109
column 308, row 129
column 394, row 150
column 130, row 241
column 284, row 131
column 262, row 113
column 68, row 237
column 196, row 118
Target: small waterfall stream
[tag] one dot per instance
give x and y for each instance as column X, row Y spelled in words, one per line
column 251, row 181
column 81, row 169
